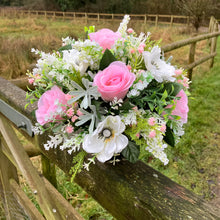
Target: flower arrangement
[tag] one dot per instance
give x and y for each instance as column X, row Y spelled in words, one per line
column 109, row 96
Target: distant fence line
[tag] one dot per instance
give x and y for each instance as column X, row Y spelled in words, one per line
column 145, row 18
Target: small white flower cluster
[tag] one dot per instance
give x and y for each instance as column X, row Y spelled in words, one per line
column 116, row 103
column 89, row 53
column 37, row 129
column 53, row 142
column 67, row 41
column 86, row 165
column 156, row 147
column 123, row 25
column 130, row 118
column 145, row 79
column 73, row 144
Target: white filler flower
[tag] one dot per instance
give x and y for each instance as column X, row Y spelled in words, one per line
column 160, row 70
column 107, row 139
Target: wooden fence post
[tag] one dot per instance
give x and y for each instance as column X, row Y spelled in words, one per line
column 145, row 19
column 191, row 58
column 156, row 20
column 171, row 21
column 49, row 170
column 188, row 21
column 86, row 18
column 211, row 25
column 213, row 44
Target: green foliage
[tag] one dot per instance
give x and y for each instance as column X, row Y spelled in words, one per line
column 107, row 59
column 169, row 138
column 156, row 97
column 131, row 152
column 78, row 161
column 66, row 47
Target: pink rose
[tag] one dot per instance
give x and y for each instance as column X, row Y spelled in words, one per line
column 49, row 107
column 105, row 37
column 181, row 106
column 114, row 81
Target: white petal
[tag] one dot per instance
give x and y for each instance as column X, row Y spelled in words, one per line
column 110, row 147
column 102, row 156
column 92, row 144
column 121, row 142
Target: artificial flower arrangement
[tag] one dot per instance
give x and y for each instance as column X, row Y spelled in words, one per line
column 110, row 96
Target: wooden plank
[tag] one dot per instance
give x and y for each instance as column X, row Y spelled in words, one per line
column 25, row 202
column 202, row 60
column 29, row 172
column 7, row 171
column 185, row 42
column 65, row 207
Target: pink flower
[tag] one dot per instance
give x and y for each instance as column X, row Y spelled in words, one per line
column 163, row 128
column 70, row 112
column 152, row 134
column 141, row 48
column 69, row 129
column 79, row 113
column 151, row 121
column 138, row 135
column 132, row 50
column 181, row 106
column 48, row 105
column 130, row 30
column 129, row 67
column 68, row 96
column 114, row 81
column 105, row 37
column 178, row 72
column 74, row 118
column 31, row 80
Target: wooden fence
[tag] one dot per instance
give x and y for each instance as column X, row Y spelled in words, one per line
column 214, row 32
column 145, row 18
column 128, row 191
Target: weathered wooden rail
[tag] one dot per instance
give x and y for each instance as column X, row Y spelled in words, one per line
column 145, row 18
column 128, row 191
column 212, row 37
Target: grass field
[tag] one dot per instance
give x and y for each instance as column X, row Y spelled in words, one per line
column 194, row 162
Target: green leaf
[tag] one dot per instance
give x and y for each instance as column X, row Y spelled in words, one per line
column 131, row 152
column 66, row 47
column 173, row 88
column 126, row 106
column 107, row 59
column 57, row 128
column 169, row 138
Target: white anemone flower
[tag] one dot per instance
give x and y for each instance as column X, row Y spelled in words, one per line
column 160, row 70
column 107, row 139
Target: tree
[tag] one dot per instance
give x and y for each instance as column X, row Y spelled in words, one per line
column 196, row 9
